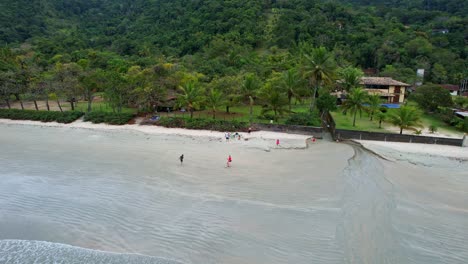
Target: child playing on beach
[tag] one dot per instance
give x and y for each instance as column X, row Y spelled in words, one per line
column 277, row 142
column 181, row 158
column 229, row 160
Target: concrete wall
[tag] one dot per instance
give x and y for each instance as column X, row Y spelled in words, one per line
column 361, row 135
column 303, row 130
column 352, row 134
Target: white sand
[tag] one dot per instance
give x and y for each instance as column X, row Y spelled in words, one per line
column 420, row 149
column 108, row 188
column 157, row 130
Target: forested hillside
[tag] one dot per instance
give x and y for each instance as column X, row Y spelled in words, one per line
column 394, row 37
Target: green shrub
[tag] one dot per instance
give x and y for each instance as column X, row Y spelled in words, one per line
column 303, row 119
column 267, row 116
column 43, row 116
column 97, row 117
column 433, row 128
column 202, row 123
column 383, row 109
column 446, row 115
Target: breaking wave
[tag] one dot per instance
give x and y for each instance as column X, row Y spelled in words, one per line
column 40, row 252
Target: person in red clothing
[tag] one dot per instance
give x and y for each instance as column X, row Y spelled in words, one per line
column 229, row 160
column 277, row 142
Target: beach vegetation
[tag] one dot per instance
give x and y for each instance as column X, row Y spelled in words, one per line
column 381, row 117
column 214, row 100
column 349, row 78
column 406, row 118
column 97, row 117
column 274, row 100
column 374, row 101
column 293, row 84
column 326, row 102
column 460, row 101
column 304, row 119
column 355, row 103
column 93, row 57
column 249, row 89
column 203, row 123
column 43, row 116
column 191, row 96
column 430, row 97
column 319, row 68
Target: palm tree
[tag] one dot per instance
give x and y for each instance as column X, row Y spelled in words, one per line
column 6, row 87
column 214, row 100
column 406, row 118
column 191, row 96
column 274, row 99
column 374, row 102
column 320, row 69
column 291, row 82
column 249, row 89
column 350, row 77
column 381, row 117
column 354, row 102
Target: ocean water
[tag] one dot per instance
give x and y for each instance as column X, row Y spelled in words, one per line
column 94, row 196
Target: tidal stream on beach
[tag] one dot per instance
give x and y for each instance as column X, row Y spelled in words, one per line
column 71, row 195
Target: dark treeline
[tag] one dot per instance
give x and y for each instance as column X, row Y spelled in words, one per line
column 139, row 52
column 221, row 37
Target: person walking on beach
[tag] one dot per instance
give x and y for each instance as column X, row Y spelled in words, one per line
column 227, row 135
column 229, row 160
column 277, row 142
column 181, row 158
column 250, row 130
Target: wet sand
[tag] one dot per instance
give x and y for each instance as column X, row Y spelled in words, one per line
column 124, row 190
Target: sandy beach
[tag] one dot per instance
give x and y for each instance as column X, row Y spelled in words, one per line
column 97, row 193
column 158, row 130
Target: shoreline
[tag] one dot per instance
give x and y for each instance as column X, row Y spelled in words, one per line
column 418, row 153
column 391, row 150
column 156, row 130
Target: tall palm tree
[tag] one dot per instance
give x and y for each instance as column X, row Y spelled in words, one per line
column 275, row 100
column 354, row 102
column 350, row 77
column 291, row 82
column 191, row 96
column 249, row 89
column 214, row 100
column 406, row 118
column 381, row 117
column 320, row 69
column 374, row 102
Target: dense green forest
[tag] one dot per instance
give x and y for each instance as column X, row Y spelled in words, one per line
column 139, row 52
column 222, row 37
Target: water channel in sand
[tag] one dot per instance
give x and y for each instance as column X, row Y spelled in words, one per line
column 76, row 195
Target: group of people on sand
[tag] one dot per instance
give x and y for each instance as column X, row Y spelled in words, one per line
column 228, row 136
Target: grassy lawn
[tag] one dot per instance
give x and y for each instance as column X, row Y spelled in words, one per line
column 429, row 120
column 240, row 113
column 101, row 106
column 362, row 123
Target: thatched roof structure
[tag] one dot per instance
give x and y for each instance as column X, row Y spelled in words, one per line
column 384, row 81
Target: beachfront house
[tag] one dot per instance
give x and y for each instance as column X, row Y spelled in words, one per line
column 453, row 89
column 387, row 88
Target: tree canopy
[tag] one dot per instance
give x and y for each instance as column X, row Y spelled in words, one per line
column 221, row 37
